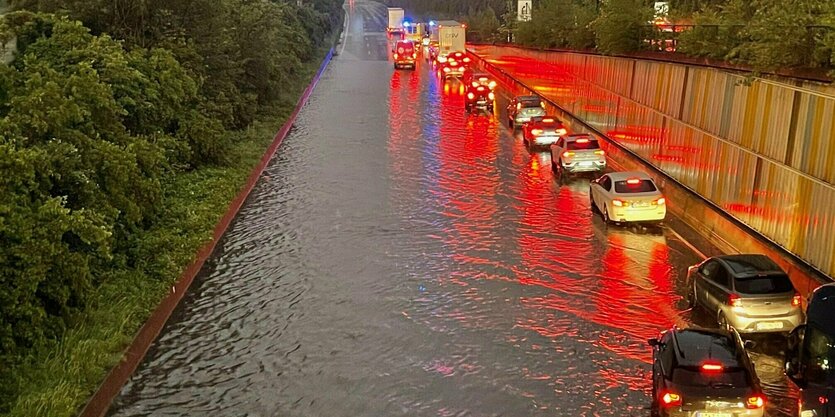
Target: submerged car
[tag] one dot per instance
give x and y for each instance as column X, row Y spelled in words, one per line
column 404, row 55
column 577, row 153
column 748, row 292
column 522, row 108
column 627, row 197
column 703, row 373
column 480, row 98
column 452, row 68
column 542, row 131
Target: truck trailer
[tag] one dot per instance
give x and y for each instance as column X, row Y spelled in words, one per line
column 452, row 37
column 396, row 16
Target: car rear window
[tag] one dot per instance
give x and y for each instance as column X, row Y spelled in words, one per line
column 529, row 103
column 736, row 378
column 644, row 186
column 575, row 146
column 406, row 46
column 770, row 284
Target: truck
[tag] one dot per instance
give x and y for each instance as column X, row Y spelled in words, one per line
column 452, row 37
column 810, row 355
column 396, row 15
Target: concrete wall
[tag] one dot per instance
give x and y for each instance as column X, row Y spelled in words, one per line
column 763, row 153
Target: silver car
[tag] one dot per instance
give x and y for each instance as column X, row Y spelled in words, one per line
column 577, row 153
column 749, row 293
column 522, row 108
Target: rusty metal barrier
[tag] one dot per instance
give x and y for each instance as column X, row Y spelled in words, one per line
column 101, row 400
column 712, row 223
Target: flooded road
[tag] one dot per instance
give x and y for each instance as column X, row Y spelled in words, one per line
column 401, row 258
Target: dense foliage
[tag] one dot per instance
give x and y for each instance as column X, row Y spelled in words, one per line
column 764, row 34
column 105, row 102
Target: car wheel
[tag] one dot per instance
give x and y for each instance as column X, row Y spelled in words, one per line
column 591, row 202
column 510, row 123
column 605, row 213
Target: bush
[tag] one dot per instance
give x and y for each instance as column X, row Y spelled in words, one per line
column 620, row 26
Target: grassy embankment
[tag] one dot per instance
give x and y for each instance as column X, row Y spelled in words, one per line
column 57, row 382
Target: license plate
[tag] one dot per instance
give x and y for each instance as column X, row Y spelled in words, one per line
column 586, row 163
column 641, row 204
column 713, row 414
column 770, row 325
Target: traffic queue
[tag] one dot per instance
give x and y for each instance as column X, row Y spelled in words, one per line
column 695, row 371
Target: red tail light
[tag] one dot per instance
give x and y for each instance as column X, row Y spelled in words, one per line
column 660, row 202
column 414, row 56
column 561, row 132
column 755, row 401
column 619, row 203
column 670, row 399
column 536, row 132
column 712, row 367
column 548, row 120
column 567, row 154
column 491, row 96
column 633, row 181
column 734, row 300
column 796, row 300
column 470, row 96
column 395, row 56
column 583, row 140
column 446, row 69
column 599, row 152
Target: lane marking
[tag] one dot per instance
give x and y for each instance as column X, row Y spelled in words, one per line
column 348, row 16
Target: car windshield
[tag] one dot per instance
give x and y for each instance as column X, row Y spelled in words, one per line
column 770, row 284
column 819, row 356
column 693, row 378
column 642, row 186
column 579, row 146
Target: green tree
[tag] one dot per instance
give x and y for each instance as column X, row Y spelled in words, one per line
column 621, row 25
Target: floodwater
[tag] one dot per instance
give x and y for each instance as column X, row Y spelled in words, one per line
column 401, row 258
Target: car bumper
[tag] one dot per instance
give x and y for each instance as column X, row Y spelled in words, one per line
column 770, row 324
column 480, row 103
column 544, row 140
column 584, row 166
column 453, row 74
column 678, row 412
column 634, row 214
column 405, row 63
column 525, row 119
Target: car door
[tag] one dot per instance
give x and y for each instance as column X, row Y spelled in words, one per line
column 556, row 150
column 705, row 272
column 600, row 187
column 717, row 288
column 663, row 363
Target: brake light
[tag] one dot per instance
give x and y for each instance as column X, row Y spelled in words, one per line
column 660, row 202
column 712, row 367
column 619, row 203
column 475, row 84
column 755, row 401
column 583, row 140
column 633, row 181
column 599, row 152
column 536, row 132
column 518, row 106
column 548, row 120
column 561, row 132
column 470, row 96
column 491, row 96
column 480, row 88
column 395, row 55
column 670, row 399
column 446, row 69
column 796, row 300
column 414, row 56
column 734, row 300
column 567, row 154
column 491, row 84
column 466, row 59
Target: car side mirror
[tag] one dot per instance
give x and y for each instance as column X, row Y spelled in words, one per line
column 654, row 342
column 750, row 344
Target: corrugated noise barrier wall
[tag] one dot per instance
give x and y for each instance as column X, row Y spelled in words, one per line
column 762, row 151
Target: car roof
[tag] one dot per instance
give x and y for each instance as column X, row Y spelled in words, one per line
column 528, row 98
column 695, row 346
column 623, row 176
column 750, row 264
column 822, row 308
